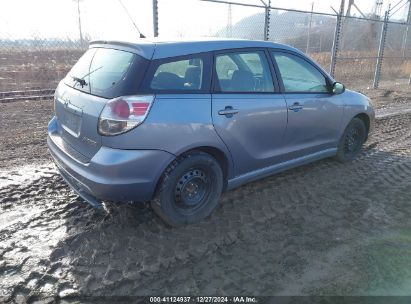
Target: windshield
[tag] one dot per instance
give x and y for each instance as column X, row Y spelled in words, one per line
column 100, row 71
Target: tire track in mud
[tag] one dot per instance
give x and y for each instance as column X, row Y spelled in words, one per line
column 261, row 236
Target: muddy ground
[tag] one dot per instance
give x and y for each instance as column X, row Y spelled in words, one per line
column 322, row 229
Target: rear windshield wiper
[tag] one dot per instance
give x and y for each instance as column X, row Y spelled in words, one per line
column 81, row 81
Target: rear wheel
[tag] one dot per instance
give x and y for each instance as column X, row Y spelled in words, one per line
column 189, row 189
column 352, row 140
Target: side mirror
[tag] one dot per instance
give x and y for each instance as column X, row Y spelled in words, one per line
column 338, row 88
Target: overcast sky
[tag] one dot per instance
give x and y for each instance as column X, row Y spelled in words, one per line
column 105, row 19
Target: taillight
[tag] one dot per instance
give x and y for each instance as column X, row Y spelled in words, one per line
column 123, row 114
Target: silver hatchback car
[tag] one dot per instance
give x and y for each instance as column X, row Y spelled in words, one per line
column 178, row 122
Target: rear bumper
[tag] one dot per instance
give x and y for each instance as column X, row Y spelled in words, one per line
column 111, row 174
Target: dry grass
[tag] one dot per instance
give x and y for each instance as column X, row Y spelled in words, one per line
column 360, row 66
column 41, row 69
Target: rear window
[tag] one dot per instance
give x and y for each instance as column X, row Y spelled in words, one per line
column 104, row 72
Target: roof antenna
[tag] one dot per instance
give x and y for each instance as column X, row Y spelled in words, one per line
column 131, row 19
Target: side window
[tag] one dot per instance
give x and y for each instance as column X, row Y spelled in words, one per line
column 244, row 72
column 178, row 75
column 299, row 75
column 225, row 67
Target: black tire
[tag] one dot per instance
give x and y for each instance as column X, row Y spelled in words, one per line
column 352, row 140
column 189, row 189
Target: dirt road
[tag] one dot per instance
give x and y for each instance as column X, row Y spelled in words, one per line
column 322, row 229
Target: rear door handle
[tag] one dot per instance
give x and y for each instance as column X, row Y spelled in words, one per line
column 295, row 107
column 229, row 111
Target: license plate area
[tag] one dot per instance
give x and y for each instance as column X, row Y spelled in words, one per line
column 71, row 119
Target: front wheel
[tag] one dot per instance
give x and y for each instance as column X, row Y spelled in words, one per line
column 352, row 140
column 189, row 189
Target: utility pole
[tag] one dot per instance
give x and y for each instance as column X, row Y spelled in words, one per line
column 350, row 3
column 377, row 9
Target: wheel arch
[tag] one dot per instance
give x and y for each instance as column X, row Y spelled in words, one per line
column 366, row 120
column 221, row 157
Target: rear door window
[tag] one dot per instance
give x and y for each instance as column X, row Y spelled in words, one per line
column 243, row 72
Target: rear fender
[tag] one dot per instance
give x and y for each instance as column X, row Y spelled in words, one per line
column 175, row 124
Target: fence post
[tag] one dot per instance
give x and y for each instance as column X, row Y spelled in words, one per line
column 155, row 18
column 309, row 29
column 405, row 36
column 381, row 50
column 79, row 24
column 267, row 20
column 336, row 41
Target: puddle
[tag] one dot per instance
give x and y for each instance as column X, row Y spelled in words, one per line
column 24, row 174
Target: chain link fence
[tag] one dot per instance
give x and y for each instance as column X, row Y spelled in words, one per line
column 194, row 18
column 38, row 57
column 396, row 63
column 40, row 43
column 311, row 33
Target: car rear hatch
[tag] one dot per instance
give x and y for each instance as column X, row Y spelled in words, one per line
column 100, row 74
column 77, row 114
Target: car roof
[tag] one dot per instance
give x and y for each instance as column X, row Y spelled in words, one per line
column 157, row 48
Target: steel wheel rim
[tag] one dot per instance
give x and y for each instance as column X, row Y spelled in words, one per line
column 191, row 189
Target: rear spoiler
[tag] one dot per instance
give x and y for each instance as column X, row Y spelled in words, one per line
column 141, row 47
